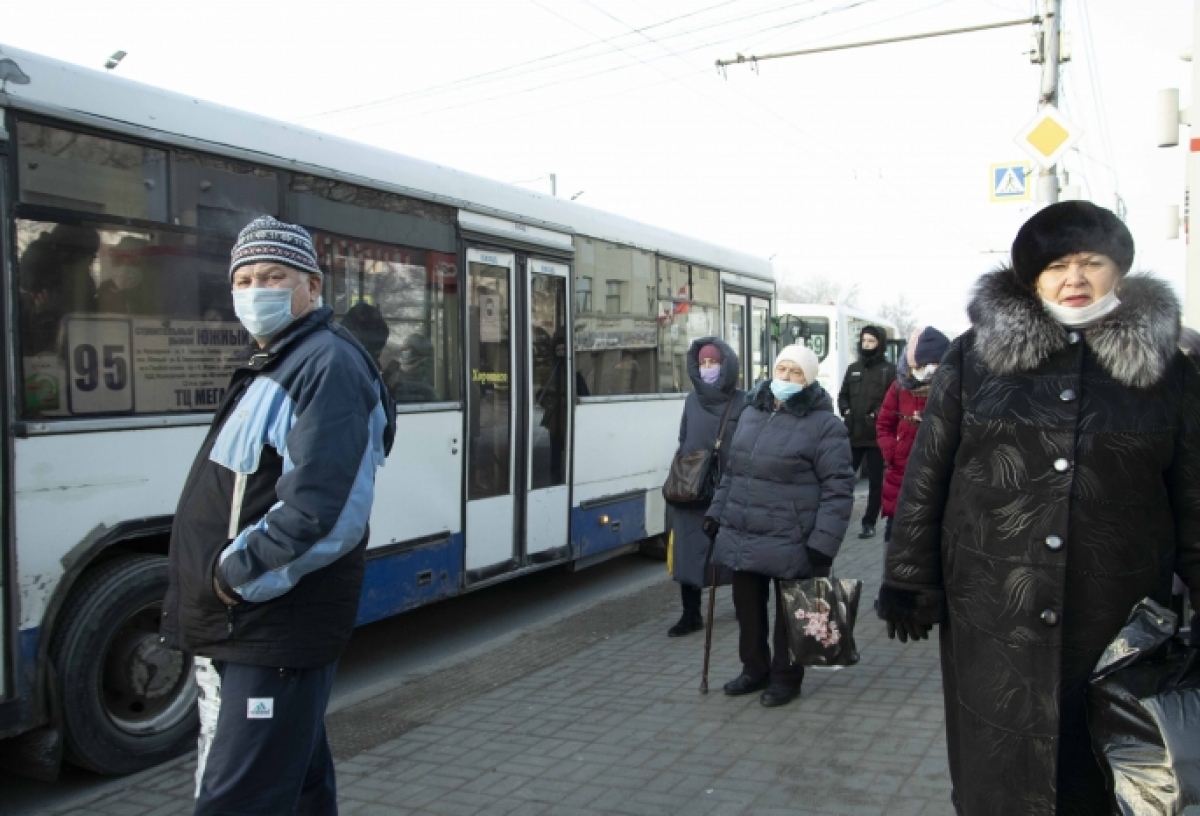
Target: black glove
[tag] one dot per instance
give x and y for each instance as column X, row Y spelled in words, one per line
column 909, row 613
column 903, row 630
column 821, row 563
column 711, row 527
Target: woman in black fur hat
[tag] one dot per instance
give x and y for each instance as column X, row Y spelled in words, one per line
column 1054, row 483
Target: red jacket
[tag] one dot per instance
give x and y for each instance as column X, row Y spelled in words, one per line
column 896, row 429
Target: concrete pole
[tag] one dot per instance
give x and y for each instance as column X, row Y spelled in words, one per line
column 1191, row 307
column 554, row 184
column 1047, row 183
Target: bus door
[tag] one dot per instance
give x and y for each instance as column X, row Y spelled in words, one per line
column 748, row 331
column 491, row 541
column 550, row 364
column 519, row 400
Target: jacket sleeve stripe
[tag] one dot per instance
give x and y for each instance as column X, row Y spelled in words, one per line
column 265, row 413
column 345, row 535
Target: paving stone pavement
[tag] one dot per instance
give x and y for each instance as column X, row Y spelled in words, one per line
column 607, row 719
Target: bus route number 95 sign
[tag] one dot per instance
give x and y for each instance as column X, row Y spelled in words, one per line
column 98, row 352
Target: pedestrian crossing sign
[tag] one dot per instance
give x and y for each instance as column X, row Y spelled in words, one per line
column 1010, row 181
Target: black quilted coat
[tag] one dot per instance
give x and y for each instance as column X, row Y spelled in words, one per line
column 1055, row 482
column 789, row 486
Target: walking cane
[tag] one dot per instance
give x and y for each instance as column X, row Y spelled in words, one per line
column 712, row 602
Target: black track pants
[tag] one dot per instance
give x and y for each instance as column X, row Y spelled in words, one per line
column 268, row 754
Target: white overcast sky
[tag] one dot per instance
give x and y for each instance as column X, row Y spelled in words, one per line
column 870, row 165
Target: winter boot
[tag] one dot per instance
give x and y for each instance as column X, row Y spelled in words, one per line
column 691, row 620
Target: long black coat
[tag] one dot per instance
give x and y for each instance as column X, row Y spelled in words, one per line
column 1055, row 482
column 702, row 413
column 789, row 486
column 863, row 388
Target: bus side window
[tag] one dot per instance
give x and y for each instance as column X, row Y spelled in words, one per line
column 120, row 320
column 616, row 332
column 402, row 305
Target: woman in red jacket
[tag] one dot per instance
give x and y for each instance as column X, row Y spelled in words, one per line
column 900, row 415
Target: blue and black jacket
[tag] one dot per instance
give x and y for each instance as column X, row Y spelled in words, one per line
column 276, row 505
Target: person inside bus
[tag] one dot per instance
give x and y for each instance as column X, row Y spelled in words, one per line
column 900, row 414
column 410, row 375
column 366, row 323
column 55, row 279
column 267, row 549
column 781, row 511
column 713, row 369
column 863, row 388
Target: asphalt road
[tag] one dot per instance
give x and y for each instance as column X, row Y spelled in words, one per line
column 384, row 655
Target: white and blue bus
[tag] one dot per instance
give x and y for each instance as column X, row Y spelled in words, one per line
column 536, row 348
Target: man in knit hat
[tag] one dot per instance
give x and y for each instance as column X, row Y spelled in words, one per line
column 266, row 557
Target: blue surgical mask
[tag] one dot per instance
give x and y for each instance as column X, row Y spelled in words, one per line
column 785, row 390
column 710, row 375
column 264, row 312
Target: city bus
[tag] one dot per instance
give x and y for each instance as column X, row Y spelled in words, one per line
column 831, row 331
column 536, row 349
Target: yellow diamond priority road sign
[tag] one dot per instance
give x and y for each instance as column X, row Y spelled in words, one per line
column 1048, row 136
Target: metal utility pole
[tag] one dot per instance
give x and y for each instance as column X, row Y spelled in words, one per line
column 1047, row 183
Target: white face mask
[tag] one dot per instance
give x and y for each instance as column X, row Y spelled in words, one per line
column 925, row 373
column 1083, row 316
column 263, row 311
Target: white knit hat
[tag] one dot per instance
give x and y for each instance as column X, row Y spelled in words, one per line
column 804, row 357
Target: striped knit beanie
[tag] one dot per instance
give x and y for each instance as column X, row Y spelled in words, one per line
column 268, row 240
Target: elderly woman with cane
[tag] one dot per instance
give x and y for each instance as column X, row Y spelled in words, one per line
column 781, row 511
column 1054, row 483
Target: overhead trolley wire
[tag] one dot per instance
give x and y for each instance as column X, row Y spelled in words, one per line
column 536, row 64
column 608, row 70
column 543, row 64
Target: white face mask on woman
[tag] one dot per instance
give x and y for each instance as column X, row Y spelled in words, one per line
column 925, row 372
column 1080, row 317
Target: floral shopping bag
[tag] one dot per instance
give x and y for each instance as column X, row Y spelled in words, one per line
column 820, row 617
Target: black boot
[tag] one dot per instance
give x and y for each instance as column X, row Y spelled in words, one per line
column 744, row 684
column 868, row 530
column 780, row 692
column 691, row 620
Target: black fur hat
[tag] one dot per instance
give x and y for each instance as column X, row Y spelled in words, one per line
column 1066, row 228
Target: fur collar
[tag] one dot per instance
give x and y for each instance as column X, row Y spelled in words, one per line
column 1134, row 344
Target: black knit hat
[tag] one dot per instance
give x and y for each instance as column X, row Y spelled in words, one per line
column 1066, row 228
column 931, row 347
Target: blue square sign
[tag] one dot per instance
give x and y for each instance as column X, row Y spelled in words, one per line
column 1010, row 182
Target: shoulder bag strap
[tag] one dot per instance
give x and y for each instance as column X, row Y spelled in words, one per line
column 724, row 424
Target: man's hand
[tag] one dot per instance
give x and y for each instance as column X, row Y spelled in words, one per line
column 225, row 599
column 711, row 527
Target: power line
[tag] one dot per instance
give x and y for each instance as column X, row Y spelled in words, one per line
column 535, row 65
column 609, row 70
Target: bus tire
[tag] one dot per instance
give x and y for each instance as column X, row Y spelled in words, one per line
column 126, row 702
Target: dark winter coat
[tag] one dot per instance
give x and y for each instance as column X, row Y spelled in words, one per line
column 702, row 412
column 1054, row 483
column 863, row 389
column 789, row 486
column 896, row 430
column 275, row 507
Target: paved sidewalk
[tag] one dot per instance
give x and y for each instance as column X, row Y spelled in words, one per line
column 599, row 713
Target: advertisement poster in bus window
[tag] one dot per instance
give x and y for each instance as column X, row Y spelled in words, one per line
column 184, row 365
column 149, row 365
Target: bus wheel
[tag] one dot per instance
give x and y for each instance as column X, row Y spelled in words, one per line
column 127, row 703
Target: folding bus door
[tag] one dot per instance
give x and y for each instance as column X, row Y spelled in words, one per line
column 550, row 394
column 491, row 544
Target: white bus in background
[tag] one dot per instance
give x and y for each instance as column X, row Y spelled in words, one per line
column 536, row 348
column 832, row 332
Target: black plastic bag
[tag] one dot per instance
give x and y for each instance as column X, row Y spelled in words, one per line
column 1144, row 715
column 820, row 619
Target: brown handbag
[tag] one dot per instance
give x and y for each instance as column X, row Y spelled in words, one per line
column 693, row 477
